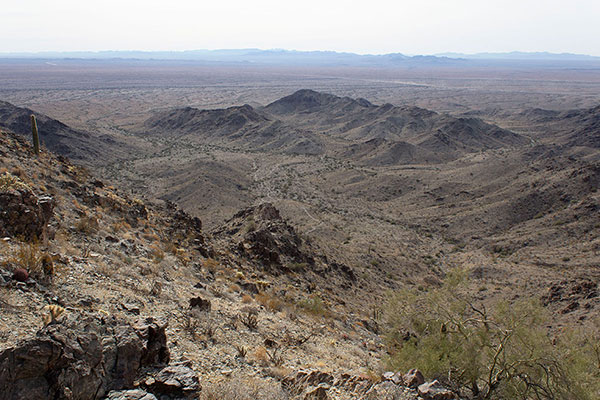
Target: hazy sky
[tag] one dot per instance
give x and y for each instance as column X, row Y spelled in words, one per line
column 366, row 26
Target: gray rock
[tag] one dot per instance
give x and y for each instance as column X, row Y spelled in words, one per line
column 435, row 391
column 395, row 377
column 388, row 375
column 83, row 357
column 413, row 378
column 134, row 394
column 176, row 381
column 132, row 308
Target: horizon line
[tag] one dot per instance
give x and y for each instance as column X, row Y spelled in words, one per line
column 436, row 54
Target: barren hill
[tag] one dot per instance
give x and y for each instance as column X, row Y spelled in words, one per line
column 579, row 127
column 434, row 137
column 240, row 126
column 309, row 122
column 60, row 138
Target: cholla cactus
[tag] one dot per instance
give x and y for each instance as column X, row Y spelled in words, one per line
column 36, row 138
column 53, row 313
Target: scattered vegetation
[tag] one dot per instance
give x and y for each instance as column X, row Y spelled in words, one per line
column 241, row 351
column 500, row 353
column 211, row 265
column 250, row 318
column 157, row 253
column 270, row 302
column 87, row 224
column 313, row 305
column 29, row 257
column 53, row 312
column 9, row 182
column 34, row 259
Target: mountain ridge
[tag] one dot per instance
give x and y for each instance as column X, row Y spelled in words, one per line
column 223, row 54
column 57, row 136
column 314, row 118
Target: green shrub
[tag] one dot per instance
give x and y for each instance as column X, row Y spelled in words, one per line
column 501, row 353
column 313, row 305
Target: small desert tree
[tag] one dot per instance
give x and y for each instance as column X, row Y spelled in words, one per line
column 503, row 352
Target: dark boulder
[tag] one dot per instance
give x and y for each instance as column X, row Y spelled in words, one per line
column 175, row 381
column 200, row 303
column 82, row 357
column 22, row 213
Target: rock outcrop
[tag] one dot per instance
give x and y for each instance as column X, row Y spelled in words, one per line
column 262, row 234
column 175, row 381
column 81, row 356
column 22, row 213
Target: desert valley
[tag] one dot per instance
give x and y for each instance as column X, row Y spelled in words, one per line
column 253, row 231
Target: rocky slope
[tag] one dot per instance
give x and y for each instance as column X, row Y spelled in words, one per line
column 445, row 136
column 111, row 297
column 297, row 278
column 60, row 138
column 576, row 127
column 239, row 126
column 313, row 123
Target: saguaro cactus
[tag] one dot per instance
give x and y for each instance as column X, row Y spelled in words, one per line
column 36, row 137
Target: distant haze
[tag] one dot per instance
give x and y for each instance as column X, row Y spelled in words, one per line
column 364, row 27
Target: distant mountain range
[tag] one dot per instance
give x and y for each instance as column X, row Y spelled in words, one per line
column 520, row 55
column 311, row 58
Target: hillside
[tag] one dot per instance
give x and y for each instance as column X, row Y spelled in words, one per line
column 313, row 123
column 265, row 242
column 248, row 310
column 60, row 138
column 238, row 126
column 577, row 127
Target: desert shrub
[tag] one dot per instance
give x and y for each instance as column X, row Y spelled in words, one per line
column 182, row 256
column 191, row 325
column 249, row 318
column 87, row 224
column 241, row 351
column 501, row 353
column 250, row 226
column 212, row 265
column 157, row 253
column 9, row 182
column 121, row 226
column 246, row 299
column 297, row 267
column 269, row 301
column 29, row 256
column 170, row 247
column 313, row 305
column 260, row 355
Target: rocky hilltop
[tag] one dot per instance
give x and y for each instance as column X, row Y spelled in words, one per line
column 314, row 123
